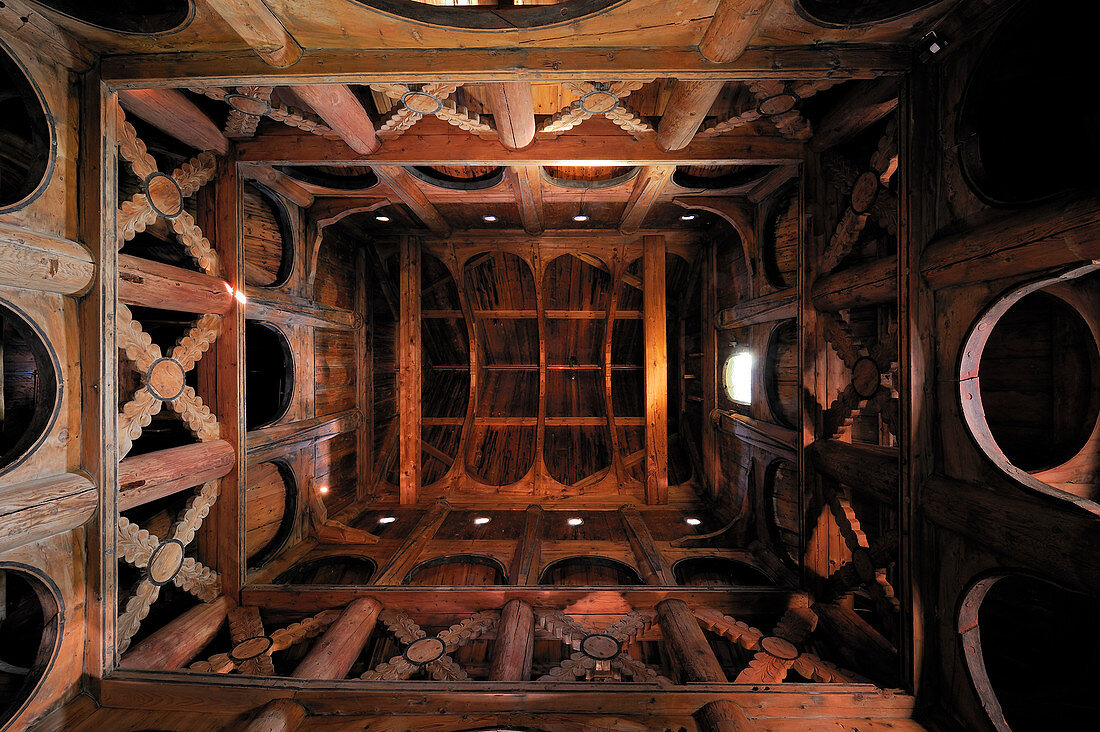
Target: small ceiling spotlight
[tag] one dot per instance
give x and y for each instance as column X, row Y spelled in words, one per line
column 489, row 219
column 386, row 520
column 575, row 521
column 323, row 489
column 482, row 520
column 580, row 218
column 687, row 217
column 930, row 46
column 692, row 521
column 383, row 219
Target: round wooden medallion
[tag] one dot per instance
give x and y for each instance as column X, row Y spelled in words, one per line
column 866, row 377
column 425, row 651
column 250, row 648
column 421, row 102
column 166, row 379
column 599, row 102
column 777, row 104
column 864, row 192
column 780, row 648
column 164, row 194
column 600, row 646
column 166, row 562
column 248, row 105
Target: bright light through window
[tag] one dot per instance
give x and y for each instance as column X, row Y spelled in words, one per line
column 738, row 377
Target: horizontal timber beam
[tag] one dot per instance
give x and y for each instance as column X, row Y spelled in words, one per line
column 865, row 284
column 769, row 308
column 170, row 111
column 156, row 285
column 273, row 306
column 43, row 507
column 271, row 442
column 474, row 65
column 869, row 470
column 145, row 478
column 36, row 261
column 765, row 435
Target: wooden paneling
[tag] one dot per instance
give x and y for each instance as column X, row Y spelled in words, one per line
column 334, row 357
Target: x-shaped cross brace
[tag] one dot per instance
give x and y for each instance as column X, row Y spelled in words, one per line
column 777, row 102
column 428, row 99
column 598, row 654
column 432, row 653
column 599, row 97
column 249, row 104
column 871, row 367
column 252, row 646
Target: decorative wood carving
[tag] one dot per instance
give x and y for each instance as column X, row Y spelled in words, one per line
column 599, row 97
column 598, row 656
column 432, row 653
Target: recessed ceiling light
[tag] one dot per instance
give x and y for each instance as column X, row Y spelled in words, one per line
column 575, row 521
column 580, row 218
column 489, row 218
column 383, row 219
column 482, row 520
column 692, row 521
column 323, row 489
column 687, row 217
column 386, row 520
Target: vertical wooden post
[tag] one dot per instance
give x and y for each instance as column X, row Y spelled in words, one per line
column 709, row 280
column 691, row 654
column 364, row 375
column 656, row 370
column 409, row 370
column 722, row 716
column 332, row 656
column 525, row 562
column 655, row 569
column 98, row 186
column 515, row 645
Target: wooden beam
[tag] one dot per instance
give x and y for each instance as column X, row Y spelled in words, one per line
column 871, row 283
column 334, row 654
column 281, row 183
column 170, row 111
column 732, row 29
column 405, row 187
column 869, row 470
column 691, row 653
column 409, row 371
column 271, row 442
column 156, row 285
column 655, row 569
column 514, row 648
column 278, row 715
column 526, row 182
column 656, row 370
column 145, row 478
column 857, row 644
column 405, row 556
column 44, row 507
column 338, row 106
column 178, row 642
column 712, row 467
column 768, row 436
column 688, row 105
column 275, row 306
column 257, row 26
column 770, row 308
column 864, row 105
column 647, row 189
column 524, row 568
column 722, row 716
column 36, row 261
column 513, row 112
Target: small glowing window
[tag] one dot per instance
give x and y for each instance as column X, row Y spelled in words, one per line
column 738, row 377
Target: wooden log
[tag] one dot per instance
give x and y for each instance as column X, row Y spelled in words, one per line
column 405, row 187
column 524, row 569
column 405, row 556
column 178, row 642
column 647, row 189
column 870, row 470
column 170, row 111
column 271, row 442
column 338, row 106
column 156, row 285
column 656, row 370
column 513, row 112
column 862, row 106
column 858, row 645
column 655, row 568
column 274, row 306
column 732, row 28
column 526, row 182
column 691, row 653
column 774, row 306
column 687, row 107
column 515, row 644
column 37, row 261
column 768, row 436
column 257, row 26
column 280, row 715
column 872, row 283
column 145, row 478
column 409, row 372
column 1038, row 239
column 332, row 656
column 722, row 715
column 44, row 507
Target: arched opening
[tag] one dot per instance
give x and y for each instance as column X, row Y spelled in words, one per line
column 338, row 569
column 459, row 177
column 28, row 385
column 30, row 633
column 462, row 569
column 269, row 374
column 491, row 16
column 127, row 16
column 1011, row 157
column 718, row 177
column 781, row 496
column 589, row 572
column 1012, row 625
column 781, row 378
column 26, row 135
column 589, row 177
column 271, row 498
column 779, row 241
column 268, row 238
column 858, row 12
column 334, row 177
column 719, row 571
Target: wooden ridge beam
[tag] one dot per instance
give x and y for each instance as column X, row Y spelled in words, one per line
column 257, row 26
column 181, row 640
column 772, row 437
column 145, row 478
column 864, row 105
column 44, row 507
column 513, row 111
column 268, row 443
column 36, row 261
column 871, row 283
column 170, row 111
column 732, row 28
column 338, row 106
column 770, row 308
column 647, row 190
column 526, row 182
column 156, row 285
column 655, row 328
column 405, row 187
column 273, row 306
column 869, row 470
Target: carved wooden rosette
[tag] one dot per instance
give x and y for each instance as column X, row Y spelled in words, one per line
column 249, row 104
column 433, row 99
column 776, row 653
column 431, row 653
column 596, row 97
column 253, row 646
column 598, row 655
column 779, row 103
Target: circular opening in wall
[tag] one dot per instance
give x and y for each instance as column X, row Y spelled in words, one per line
column 589, row 177
column 858, row 12
column 126, row 16
column 338, row 569
column 718, row 177
column 30, row 632
column 463, row 569
column 781, row 492
column 335, row 177
column 589, row 572
column 26, row 135
column 491, row 16
column 268, row 238
column 719, row 571
column 30, row 388
column 269, row 374
column 781, row 382
column 459, row 177
column 271, row 497
column 737, row 376
column 779, row 244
